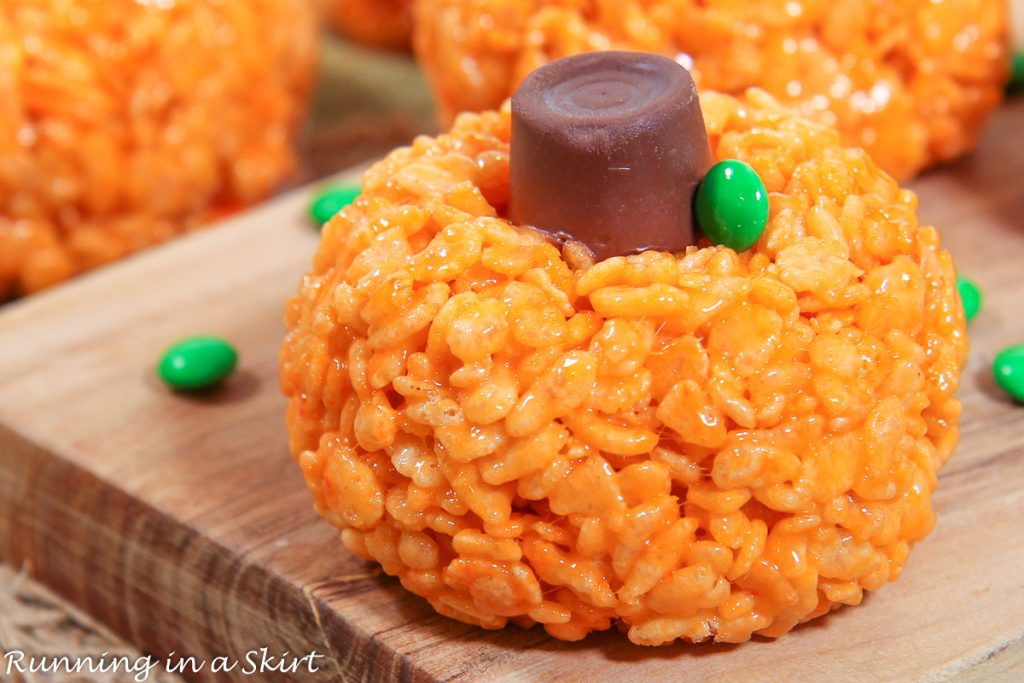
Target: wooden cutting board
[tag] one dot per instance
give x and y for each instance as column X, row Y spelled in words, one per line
column 184, row 524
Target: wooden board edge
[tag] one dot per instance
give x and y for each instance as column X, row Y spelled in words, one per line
column 1003, row 663
column 67, row 528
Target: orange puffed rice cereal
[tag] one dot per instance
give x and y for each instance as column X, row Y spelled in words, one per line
column 383, row 23
column 701, row 446
column 911, row 81
column 124, row 123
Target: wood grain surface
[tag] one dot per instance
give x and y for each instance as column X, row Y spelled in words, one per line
column 184, row 524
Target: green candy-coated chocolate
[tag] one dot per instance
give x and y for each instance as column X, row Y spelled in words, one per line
column 970, row 295
column 732, row 205
column 1016, row 73
column 197, row 363
column 1008, row 369
column 330, row 201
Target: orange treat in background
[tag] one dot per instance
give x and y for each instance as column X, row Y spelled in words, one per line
column 125, row 123
column 700, row 446
column 382, row 23
column 911, row 81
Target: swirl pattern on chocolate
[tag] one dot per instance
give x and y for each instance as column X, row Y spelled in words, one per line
column 608, row 149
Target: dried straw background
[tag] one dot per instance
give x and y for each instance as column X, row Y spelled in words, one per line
column 38, row 623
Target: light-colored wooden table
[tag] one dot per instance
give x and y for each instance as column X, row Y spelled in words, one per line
column 184, row 524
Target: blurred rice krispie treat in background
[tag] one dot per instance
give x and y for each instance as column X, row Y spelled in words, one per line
column 124, row 123
column 382, row 23
column 912, row 81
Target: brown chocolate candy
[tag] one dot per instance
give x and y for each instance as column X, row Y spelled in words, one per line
column 608, row 149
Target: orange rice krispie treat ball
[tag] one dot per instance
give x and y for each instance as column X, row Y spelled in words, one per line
column 911, row 81
column 700, row 445
column 123, row 123
column 383, row 23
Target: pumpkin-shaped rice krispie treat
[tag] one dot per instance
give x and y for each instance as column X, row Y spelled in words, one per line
column 911, row 81
column 125, row 123
column 499, row 399
column 381, row 23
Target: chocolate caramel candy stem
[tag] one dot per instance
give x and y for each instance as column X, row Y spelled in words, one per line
column 608, row 149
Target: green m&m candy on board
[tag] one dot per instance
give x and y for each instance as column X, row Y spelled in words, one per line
column 330, row 201
column 1008, row 370
column 197, row 363
column 1016, row 73
column 970, row 295
column 732, row 205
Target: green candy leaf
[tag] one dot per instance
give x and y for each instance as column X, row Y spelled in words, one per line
column 1016, row 83
column 970, row 296
column 732, row 205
